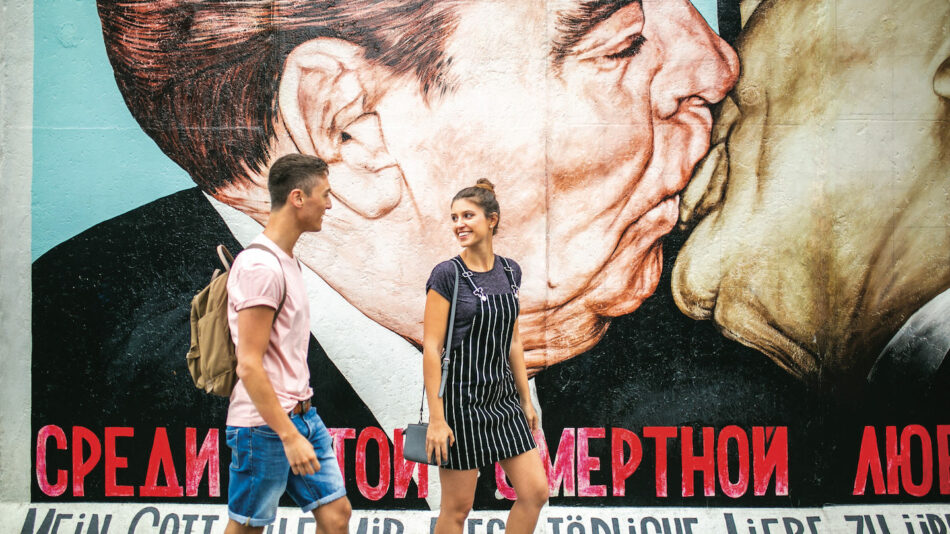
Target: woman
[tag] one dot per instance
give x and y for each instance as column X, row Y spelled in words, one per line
column 486, row 415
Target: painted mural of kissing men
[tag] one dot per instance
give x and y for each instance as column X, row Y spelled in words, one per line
column 821, row 213
column 591, row 115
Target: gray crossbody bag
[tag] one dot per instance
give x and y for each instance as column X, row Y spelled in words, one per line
column 414, row 446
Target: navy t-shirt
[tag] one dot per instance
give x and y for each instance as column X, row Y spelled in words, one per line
column 493, row 282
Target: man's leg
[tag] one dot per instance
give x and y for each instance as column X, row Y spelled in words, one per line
column 322, row 493
column 259, row 471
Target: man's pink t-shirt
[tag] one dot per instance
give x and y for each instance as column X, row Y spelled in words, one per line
column 256, row 280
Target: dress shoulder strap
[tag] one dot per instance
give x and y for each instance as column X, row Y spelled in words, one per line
column 468, row 276
column 510, row 273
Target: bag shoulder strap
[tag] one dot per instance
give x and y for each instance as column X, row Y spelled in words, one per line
column 280, row 264
column 446, row 347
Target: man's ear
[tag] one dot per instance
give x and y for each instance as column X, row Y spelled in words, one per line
column 324, row 105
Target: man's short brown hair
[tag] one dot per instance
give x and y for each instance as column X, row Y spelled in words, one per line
column 201, row 76
column 293, row 171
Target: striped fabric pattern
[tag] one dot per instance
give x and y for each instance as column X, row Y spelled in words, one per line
column 482, row 406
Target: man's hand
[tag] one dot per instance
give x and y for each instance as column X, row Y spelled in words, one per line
column 300, row 454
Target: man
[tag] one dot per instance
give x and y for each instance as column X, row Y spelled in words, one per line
column 590, row 114
column 821, row 212
column 277, row 439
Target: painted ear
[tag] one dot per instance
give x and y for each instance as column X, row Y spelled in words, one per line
column 942, row 79
column 324, row 105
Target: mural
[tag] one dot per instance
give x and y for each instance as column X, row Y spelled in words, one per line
column 736, row 256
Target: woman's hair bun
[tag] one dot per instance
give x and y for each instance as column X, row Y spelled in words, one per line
column 485, row 184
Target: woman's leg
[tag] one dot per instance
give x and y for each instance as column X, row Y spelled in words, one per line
column 458, row 493
column 531, row 485
column 333, row 517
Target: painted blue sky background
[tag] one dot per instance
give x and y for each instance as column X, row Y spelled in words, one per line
column 91, row 161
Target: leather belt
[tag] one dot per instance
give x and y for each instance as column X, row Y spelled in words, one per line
column 301, row 407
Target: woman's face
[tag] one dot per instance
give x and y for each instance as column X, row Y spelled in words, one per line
column 470, row 224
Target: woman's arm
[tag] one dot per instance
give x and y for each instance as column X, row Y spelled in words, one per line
column 439, row 436
column 516, row 358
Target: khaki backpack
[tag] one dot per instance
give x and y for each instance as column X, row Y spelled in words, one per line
column 211, row 358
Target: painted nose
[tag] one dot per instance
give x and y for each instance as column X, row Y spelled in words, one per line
column 695, row 63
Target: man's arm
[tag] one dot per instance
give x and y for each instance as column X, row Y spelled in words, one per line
column 254, row 326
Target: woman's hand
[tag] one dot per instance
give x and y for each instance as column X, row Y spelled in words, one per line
column 439, row 438
column 532, row 416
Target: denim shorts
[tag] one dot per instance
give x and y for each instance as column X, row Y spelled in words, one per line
column 260, row 472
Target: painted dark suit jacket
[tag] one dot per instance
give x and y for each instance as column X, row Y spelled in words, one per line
column 110, row 334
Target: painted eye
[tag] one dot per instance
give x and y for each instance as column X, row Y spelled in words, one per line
column 605, row 61
column 630, row 51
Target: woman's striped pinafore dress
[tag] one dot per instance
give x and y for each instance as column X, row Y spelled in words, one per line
column 482, row 405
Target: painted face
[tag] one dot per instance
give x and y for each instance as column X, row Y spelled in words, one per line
column 588, row 117
column 822, row 211
column 470, row 223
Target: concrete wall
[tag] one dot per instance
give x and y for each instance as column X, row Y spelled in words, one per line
column 16, row 103
column 736, row 255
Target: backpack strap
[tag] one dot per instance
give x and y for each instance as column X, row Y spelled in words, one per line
column 224, row 255
column 283, row 297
